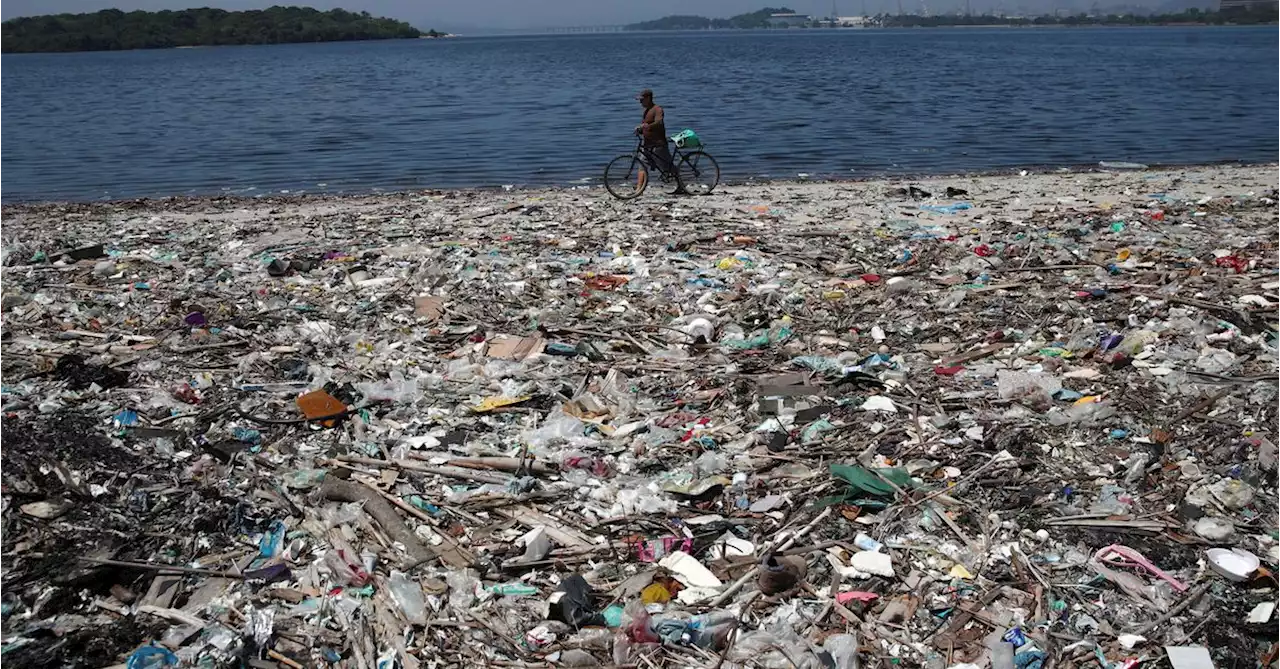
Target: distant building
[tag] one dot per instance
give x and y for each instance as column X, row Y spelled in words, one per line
column 788, row 20
column 852, row 21
column 1247, row 5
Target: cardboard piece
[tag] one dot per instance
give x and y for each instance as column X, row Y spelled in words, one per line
column 509, row 347
column 429, row 307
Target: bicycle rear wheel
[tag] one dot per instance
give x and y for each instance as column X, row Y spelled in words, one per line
column 699, row 172
column 626, row 176
column 671, row 182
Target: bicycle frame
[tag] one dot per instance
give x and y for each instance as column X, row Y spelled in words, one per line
column 641, row 154
column 686, row 164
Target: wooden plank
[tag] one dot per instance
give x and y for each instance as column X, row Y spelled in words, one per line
column 558, row 531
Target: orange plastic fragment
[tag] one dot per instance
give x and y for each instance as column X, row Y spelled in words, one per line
column 318, row 403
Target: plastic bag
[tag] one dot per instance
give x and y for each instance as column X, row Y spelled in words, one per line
column 346, row 569
column 769, row 651
column 396, row 389
column 633, row 501
column 843, row 649
column 571, row 604
column 464, row 585
column 407, row 594
column 151, row 657
column 1034, row 388
column 558, row 427
column 343, row 514
column 759, row 339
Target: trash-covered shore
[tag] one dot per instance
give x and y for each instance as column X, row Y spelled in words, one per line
column 1009, row 421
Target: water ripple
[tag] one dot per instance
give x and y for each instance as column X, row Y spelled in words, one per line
column 553, row 110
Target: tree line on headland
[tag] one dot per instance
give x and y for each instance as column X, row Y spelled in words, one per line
column 114, row 30
column 748, row 21
column 761, row 19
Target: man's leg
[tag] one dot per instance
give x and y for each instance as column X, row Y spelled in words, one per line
column 663, row 154
column 659, row 158
column 669, row 166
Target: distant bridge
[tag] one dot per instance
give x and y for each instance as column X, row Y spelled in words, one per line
column 587, row 29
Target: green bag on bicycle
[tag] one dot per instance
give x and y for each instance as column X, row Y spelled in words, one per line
column 686, row 139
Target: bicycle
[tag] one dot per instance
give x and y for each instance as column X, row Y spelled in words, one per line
column 695, row 172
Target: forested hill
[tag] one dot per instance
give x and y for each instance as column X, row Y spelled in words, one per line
column 113, row 30
column 756, row 19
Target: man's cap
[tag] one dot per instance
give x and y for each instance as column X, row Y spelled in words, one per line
column 646, row 93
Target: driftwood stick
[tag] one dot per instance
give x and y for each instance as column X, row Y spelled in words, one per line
column 512, row 465
column 454, row 554
column 345, row 491
column 152, row 566
column 1181, row 606
column 463, row 473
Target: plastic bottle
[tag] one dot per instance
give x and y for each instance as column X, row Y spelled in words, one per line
column 866, row 543
column 513, row 589
column 711, row 630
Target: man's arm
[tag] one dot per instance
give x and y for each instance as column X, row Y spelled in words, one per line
column 652, row 117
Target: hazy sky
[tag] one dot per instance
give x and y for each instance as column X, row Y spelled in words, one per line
column 459, row 14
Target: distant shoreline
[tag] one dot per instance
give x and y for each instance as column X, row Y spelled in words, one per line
column 115, row 30
column 224, row 46
column 558, row 33
column 1012, row 26
column 774, row 18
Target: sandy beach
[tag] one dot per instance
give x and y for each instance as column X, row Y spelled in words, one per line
column 1017, row 373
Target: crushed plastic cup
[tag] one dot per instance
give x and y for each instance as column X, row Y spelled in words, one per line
column 1234, row 564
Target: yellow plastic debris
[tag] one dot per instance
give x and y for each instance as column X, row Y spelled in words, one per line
column 656, row 593
column 497, row 402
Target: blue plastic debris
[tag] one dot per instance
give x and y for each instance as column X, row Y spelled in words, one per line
column 272, row 542
column 149, row 657
column 126, row 418
column 946, row 208
column 1066, row 395
column 1032, row 659
column 424, row 505
column 247, row 435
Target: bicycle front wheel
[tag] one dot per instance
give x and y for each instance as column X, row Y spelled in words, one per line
column 699, row 173
column 626, row 176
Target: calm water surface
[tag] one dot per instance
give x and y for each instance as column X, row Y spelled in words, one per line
column 554, row 109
